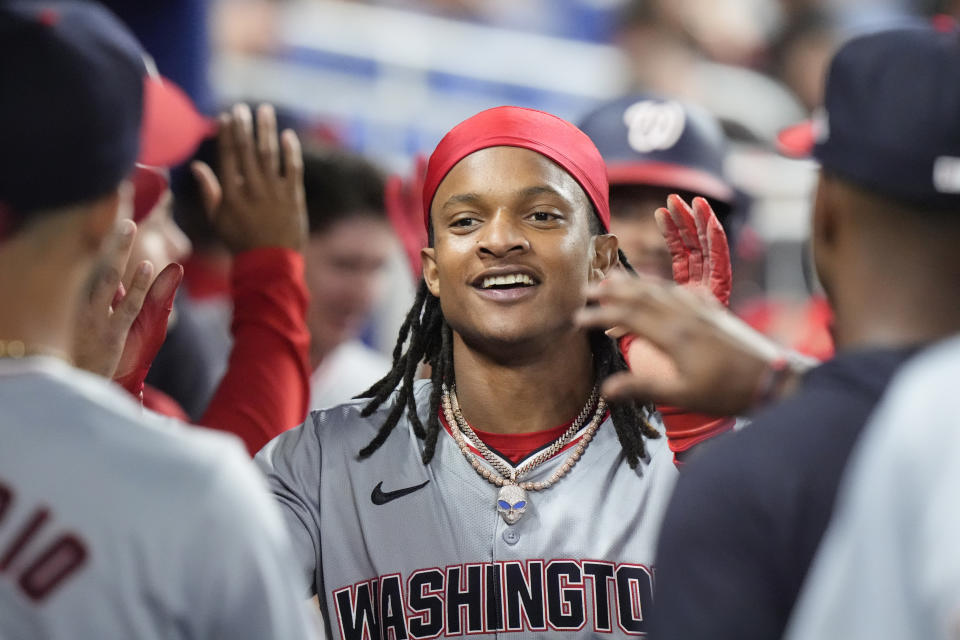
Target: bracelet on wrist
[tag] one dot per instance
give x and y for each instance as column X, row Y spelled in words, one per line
column 780, row 373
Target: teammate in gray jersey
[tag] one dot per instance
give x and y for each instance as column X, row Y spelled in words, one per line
column 451, row 506
column 113, row 524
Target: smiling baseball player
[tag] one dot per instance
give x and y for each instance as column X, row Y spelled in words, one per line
column 503, row 497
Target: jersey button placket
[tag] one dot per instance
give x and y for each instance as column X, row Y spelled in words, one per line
column 511, row 536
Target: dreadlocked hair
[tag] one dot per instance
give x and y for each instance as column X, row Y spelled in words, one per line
column 629, row 417
column 428, row 338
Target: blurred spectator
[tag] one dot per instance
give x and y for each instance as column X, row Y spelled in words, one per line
column 726, row 31
column 801, row 52
column 666, row 52
column 349, row 246
column 249, row 25
column 665, row 56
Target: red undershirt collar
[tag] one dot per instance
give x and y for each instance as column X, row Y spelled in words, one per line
column 515, row 447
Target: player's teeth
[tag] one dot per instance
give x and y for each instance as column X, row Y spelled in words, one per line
column 513, row 278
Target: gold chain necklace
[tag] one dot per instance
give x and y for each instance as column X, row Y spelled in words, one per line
column 17, row 349
column 512, row 498
column 510, row 472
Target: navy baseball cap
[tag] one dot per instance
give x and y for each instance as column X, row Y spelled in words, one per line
column 891, row 116
column 647, row 140
column 79, row 106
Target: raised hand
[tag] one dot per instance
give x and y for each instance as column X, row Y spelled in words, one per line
column 686, row 349
column 404, row 203
column 698, row 246
column 258, row 200
column 148, row 331
column 694, row 353
column 120, row 328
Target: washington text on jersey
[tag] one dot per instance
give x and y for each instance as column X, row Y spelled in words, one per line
column 513, row 596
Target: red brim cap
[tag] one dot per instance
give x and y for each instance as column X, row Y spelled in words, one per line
column 172, row 127
column 149, row 185
column 797, row 141
column 671, row 176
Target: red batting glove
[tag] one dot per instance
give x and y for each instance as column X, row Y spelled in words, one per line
column 698, row 246
column 701, row 258
column 148, row 331
column 404, row 203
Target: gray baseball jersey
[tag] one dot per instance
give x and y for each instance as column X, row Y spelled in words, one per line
column 397, row 549
column 116, row 524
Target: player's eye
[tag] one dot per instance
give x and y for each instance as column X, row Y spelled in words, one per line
column 544, row 216
column 464, row 223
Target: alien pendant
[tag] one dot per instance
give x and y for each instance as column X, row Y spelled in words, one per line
column 511, row 502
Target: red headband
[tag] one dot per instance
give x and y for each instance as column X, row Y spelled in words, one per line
column 537, row 131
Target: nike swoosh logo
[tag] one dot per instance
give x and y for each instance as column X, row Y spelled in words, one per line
column 379, row 496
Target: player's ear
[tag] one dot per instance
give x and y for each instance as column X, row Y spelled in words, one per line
column 824, row 224
column 605, row 256
column 101, row 215
column 428, row 258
